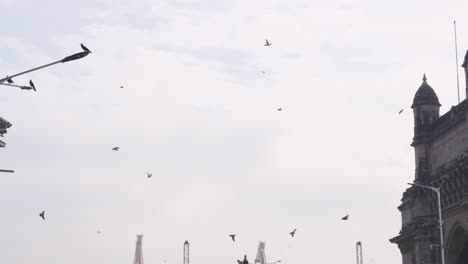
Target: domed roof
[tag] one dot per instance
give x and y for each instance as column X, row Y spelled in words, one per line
column 425, row 95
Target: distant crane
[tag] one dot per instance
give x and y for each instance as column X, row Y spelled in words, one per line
column 261, row 257
column 186, row 252
column 358, row 252
column 139, row 250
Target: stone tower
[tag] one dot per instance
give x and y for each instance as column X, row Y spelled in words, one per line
column 426, row 112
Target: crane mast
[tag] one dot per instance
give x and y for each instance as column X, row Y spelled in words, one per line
column 359, row 252
column 139, row 250
column 186, row 252
column 261, row 257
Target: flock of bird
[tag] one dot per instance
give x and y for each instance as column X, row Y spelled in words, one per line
column 292, row 233
column 149, row 175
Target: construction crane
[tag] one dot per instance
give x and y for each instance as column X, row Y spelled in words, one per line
column 261, row 258
column 359, row 252
column 186, row 252
column 139, row 251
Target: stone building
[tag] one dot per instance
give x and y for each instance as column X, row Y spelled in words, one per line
column 441, row 156
column 3, row 130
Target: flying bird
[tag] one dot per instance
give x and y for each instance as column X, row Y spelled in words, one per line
column 121, row 87
column 345, row 217
column 279, row 109
column 233, row 236
column 85, row 48
column 267, row 43
column 149, row 174
column 99, row 232
column 401, row 111
column 115, row 148
column 292, row 233
column 32, row 85
column 42, row 215
column 263, row 72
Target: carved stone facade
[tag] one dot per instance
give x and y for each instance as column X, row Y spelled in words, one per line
column 441, row 154
column 3, row 130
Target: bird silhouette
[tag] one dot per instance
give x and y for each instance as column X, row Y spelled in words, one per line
column 115, row 148
column 121, row 87
column 10, row 80
column 99, row 232
column 233, row 236
column 149, row 174
column 32, row 85
column 85, row 48
column 267, row 43
column 401, row 111
column 279, row 109
column 345, row 217
column 292, row 233
column 42, row 215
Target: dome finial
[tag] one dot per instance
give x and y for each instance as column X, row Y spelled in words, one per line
column 424, row 78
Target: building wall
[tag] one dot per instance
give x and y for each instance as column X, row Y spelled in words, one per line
column 449, row 146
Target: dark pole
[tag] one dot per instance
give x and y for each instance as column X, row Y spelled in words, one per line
column 75, row 56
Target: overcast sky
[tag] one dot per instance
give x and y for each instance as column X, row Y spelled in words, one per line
column 198, row 113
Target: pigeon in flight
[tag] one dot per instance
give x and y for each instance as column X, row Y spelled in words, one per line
column 279, row 109
column 149, row 174
column 233, row 236
column 345, row 217
column 267, row 43
column 401, row 111
column 115, row 148
column 32, row 85
column 85, row 48
column 42, row 215
column 292, row 233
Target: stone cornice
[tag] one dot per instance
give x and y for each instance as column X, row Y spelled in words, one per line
column 419, row 229
column 452, row 118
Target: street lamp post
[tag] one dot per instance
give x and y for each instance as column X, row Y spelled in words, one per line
column 437, row 190
column 75, row 56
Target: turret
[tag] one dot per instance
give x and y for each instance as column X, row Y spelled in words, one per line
column 425, row 108
column 426, row 112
